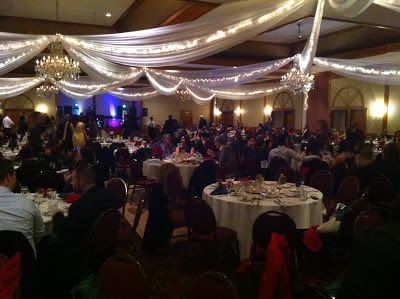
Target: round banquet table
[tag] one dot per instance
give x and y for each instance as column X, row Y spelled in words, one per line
column 151, row 170
column 9, row 155
column 239, row 215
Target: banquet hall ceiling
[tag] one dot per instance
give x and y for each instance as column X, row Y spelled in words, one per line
column 373, row 32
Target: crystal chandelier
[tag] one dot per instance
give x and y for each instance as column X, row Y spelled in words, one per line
column 182, row 95
column 297, row 82
column 46, row 90
column 57, row 67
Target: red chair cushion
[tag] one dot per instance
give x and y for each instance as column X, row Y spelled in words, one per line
column 177, row 218
column 146, row 182
column 224, row 236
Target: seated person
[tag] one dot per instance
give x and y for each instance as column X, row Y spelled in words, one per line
column 204, row 144
column 375, row 261
column 186, row 145
column 165, row 145
column 17, row 213
column 29, row 168
column 227, row 157
column 84, row 212
column 249, row 156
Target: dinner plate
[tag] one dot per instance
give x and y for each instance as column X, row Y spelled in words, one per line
column 244, row 198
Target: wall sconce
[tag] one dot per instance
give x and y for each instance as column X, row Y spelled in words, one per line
column 379, row 109
column 268, row 110
column 217, row 112
column 239, row 111
column 42, row 108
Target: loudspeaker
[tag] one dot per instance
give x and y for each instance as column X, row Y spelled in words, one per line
column 119, row 110
column 145, row 112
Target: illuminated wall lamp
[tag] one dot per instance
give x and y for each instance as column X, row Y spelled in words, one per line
column 217, row 112
column 379, row 109
column 239, row 111
column 268, row 110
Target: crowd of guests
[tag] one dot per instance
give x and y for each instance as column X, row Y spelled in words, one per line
column 242, row 152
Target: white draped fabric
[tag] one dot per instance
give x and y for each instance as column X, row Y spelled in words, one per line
column 16, row 49
column 308, row 53
column 350, row 8
column 381, row 69
column 178, row 44
column 11, row 87
column 391, row 4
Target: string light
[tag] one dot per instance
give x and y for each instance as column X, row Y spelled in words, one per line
column 200, row 41
column 20, row 87
column 160, row 87
column 356, row 69
column 206, row 99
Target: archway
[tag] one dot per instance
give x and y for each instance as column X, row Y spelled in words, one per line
column 348, row 105
column 283, row 112
column 14, row 106
column 227, row 110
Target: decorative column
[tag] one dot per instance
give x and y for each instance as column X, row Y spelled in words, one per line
column 319, row 101
column 211, row 114
column 94, row 104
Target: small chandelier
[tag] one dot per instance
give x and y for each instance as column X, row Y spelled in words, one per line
column 46, row 90
column 57, row 67
column 182, row 95
column 297, row 82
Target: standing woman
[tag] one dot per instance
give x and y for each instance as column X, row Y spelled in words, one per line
column 67, row 134
column 91, row 126
column 78, row 131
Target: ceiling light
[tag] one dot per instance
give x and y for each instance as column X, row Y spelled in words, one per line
column 108, row 15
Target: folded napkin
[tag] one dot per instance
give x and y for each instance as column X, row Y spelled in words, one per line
column 206, row 159
column 220, row 190
column 71, row 198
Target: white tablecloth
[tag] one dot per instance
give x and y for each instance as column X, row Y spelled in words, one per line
column 240, row 215
column 151, row 169
column 9, row 155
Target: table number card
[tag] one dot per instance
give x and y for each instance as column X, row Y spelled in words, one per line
column 264, row 164
column 111, row 132
column 136, row 138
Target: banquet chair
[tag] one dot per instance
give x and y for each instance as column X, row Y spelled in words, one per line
column 136, row 179
column 121, row 276
column 381, row 189
column 213, row 285
column 313, row 292
column 116, row 145
column 368, row 218
column 123, row 160
column 127, row 234
column 263, row 227
column 12, row 242
column 348, row 190
column 119, row 188
column 274, row 165
column 102, row 238
column 203, row 229
column 203, row 176
column 289, row 174
column 322, row 180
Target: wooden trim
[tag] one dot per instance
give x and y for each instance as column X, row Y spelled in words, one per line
column 341, row 108
column 395, row 47
column 130, row 9
column 283, row 109
column 212, row 105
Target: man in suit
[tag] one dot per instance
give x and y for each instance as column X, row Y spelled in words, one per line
column 354, row 135
column 227, row 157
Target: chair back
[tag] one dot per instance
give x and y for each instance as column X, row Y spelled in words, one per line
column 381, row 189
column 174, row 184
column 322, row 180
column 121, row 276
column 348, row 190
column 203, row 176
column 199, row 216
column 136, row 173
column 46, row 179
column 224, row 171
column 289, row 174
column 275, row 164
column 313, row 292
column 122, row 156
column 369, row 218
column 118, row 187
column 273, row 222
column 103, row 233
column 213, row 285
